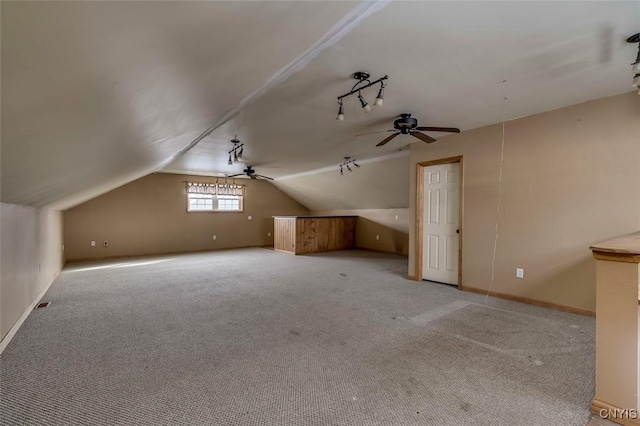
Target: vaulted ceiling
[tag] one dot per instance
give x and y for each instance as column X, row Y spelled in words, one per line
column 96, row 94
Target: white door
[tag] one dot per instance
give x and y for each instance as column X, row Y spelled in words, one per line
column 441, row 223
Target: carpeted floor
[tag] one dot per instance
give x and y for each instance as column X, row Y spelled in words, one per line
column 258, row 337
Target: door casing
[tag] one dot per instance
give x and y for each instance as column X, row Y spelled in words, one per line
column 420, row 213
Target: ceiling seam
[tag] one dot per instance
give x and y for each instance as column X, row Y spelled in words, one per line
column 335, row 33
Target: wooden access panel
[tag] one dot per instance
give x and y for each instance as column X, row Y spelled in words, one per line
column 302, row 235
column 284, row 234
column 315, row 235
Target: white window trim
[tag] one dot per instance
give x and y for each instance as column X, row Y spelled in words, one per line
column 214, row 199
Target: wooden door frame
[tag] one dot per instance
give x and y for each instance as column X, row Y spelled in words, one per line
column 420, row 212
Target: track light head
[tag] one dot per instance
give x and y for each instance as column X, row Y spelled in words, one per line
column 380, row 98
column 365, row 105
column 341, row 171
column 340, row 116
column 349, row 168
column 230, row 161
column 356, row 164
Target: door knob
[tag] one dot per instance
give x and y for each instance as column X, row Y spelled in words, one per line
column 457, row 231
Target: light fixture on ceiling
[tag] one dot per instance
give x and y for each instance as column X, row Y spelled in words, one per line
column 340, row 116
column 380, row 98
column 363, row 102
column 236, row 152
column 363, row 83
column 347, row 163
column 636, row 65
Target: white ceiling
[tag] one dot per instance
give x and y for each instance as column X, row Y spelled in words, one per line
column 99, row 93
column 386, row 180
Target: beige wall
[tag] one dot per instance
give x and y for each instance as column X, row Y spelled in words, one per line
column 571, row 179
column 390, row 225
column 149, row 216
column 31, row 257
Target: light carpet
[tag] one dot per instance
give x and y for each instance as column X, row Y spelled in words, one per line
column 258, row 337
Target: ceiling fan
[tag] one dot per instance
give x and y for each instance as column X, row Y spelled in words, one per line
column 251, row 173
column 406, row 125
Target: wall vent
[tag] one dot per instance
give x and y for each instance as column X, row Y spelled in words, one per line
column 42, row 305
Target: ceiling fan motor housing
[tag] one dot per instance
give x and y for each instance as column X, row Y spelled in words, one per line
column 405, row 123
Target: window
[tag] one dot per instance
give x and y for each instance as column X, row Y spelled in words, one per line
column 215, row 203
column 200, row 202
column 229, row 202
column 207, row 197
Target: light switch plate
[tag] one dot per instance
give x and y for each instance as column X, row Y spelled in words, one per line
column 519, row 273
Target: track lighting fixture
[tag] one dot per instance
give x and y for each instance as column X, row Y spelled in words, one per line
column 365, row 105
column 363, row 83
column 236, row 152
column 636, row 65
column 340, row 116
column 380, row 98
column 348, row 162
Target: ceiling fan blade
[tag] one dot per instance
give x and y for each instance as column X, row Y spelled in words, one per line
column 263, row 177
column 387, row 139
column 379, row 131
column 439, row 129
column 423, row 137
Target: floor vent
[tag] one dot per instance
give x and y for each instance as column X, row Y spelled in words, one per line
column 42, row 305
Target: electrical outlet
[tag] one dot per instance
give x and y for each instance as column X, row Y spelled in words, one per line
column 93, row 243
column 268, row 234
column 215, row 237
column 396, row 217
column 377, row 237
column 519, row 273
column 250, row 217
column 106, row 244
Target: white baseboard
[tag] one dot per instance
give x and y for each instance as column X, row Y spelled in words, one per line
column 25, row 314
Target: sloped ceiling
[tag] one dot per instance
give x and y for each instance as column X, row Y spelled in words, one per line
column 380, row 183
column 97, row 94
